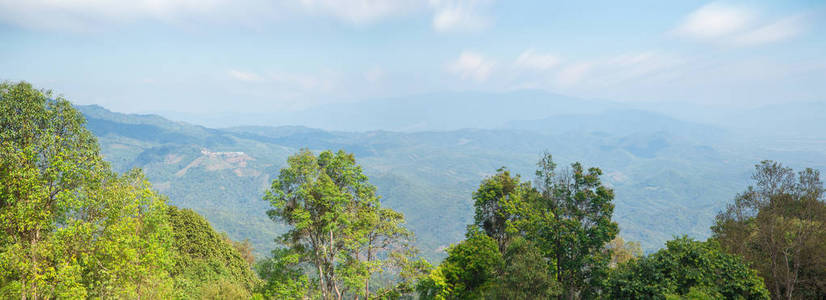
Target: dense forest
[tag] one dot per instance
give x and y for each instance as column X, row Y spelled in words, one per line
column 72, row 227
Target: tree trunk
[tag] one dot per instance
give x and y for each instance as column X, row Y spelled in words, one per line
column 321, row 275
column 367, row 281
column 34, row 261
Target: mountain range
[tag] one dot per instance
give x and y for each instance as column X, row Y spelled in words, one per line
column 670, row 176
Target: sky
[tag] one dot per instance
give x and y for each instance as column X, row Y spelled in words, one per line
column 257, row 56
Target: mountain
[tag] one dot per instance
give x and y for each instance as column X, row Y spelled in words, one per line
column 670, row 176
column 438, row 111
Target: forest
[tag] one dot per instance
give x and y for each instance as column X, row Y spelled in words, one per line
column 73, row 228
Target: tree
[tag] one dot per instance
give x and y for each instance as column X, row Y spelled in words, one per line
column 506, row 213
column 526, row 273
column 205, row 259
column 574, row 225
column 622, row 251
column 468, row 272
column 337, row 224
column 497, row 202
column 120, row 240
column 47, row 158
column 284, row 278
column 686, row 269
column 779, row 226
column 69, row 226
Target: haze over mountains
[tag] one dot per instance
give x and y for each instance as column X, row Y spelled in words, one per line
column 428, row 153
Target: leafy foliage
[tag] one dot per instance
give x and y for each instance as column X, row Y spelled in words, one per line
column 70, row 228
column 779, row 226
column 468, row 272
column 526, row 273
column 580, row 209
column 498, row 202
column 337, row 224
column 686, row 268
column 205, row 260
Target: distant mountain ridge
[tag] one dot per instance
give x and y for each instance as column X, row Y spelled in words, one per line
column 438, row 111
column 668, row 180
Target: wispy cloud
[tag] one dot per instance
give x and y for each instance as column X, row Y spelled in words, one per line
column 244, row 76
column 715, row 20
column 737, row 26
column 91, row 15
column 530, row 59
column 460, row 15
column 612, row 71
column 472, row 65
column 361, row 11
column 780, row 30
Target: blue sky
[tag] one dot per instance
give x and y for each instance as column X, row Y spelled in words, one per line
column 256, row 56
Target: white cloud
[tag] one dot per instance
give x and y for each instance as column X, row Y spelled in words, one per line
column 715, row 20
column 530, row 59
column 780, row 30
column 471, row 65
column 737, row 26
column 90, row 15
column 93, row 15
column 361, row 11
column 460, row 15
column 616, row 71
column 244, row 76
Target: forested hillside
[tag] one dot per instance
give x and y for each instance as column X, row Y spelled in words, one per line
column 671, row 176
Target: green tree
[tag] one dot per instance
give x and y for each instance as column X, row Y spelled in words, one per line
column 47, row 158
column 686, row 269
column 204, row 260
column 337, row 224
column 69, row 227
column 574, row 214
column 120, row 240
column 284, row 277
column 468, row 272
column 779, row 226
column 526, row 273
column 498, row 202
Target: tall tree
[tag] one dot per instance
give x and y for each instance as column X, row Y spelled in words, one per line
column 69, row 227
column 779, row 226
column 498, row 204
column 48, row 157
column 336, row 221
column 576, row 225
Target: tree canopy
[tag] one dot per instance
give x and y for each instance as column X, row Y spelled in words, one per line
column 686, row 268
column 69, row 226
column 336, row 224
column 72, row 228
column 779, row 226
